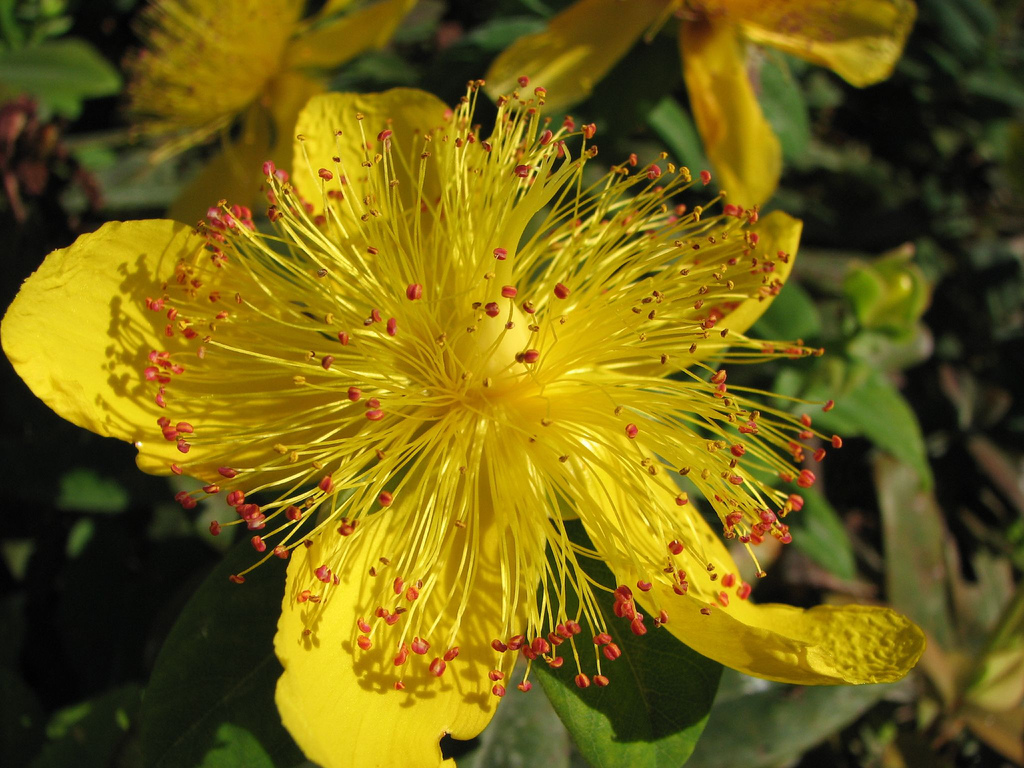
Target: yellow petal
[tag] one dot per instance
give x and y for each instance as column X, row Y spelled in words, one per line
column 344, row 38
column 339, row 702
column 579, row 47
column 777, row 232
column 744, row 152
column 233, row 174
column 859, row 40
column 79, row 331
column 825, row 645
column 407, row 111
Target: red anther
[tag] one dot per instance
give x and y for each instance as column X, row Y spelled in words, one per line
column 384, row 135
column 819, row 454
column 531, row 356
column 706, row 611
column 354, row 393
column 170, row 434
column 214, row 528
column 451, row 653
column 420, row 646
column 375, row 315
column 837, row 441
column 828, row 406
column 343, row 338
column 563, row 632
column 381, row 612
column 236, row 579
column 785, row 477
column 269, row 168
column 728, row 580
column 304, row 596
column 399, row 685
column 324, row 174
column 326, row 362
column 573, row 626
column 522, row 171
column 211, row 489
column 743, row 591
column 588, row 130
column 663, row 617
column 293, row 513
column 437, row 667
column 228, row 472
column 491, row 309
column 525, row 686
column 653, row 172
column 806, row 478
column 805, row 434
column 602, row 638
column 601, row 681
column 644, row 586
column 675, row 546
column 402, row 655
column 499, row 646
column 412, row 593
column 326, row 484
column 323, row 573
column 258, row 544
column 632, row 430
column 364, row 642
column 234, row 498
column 582, row 681
column 183, row 446
column 392, row 326
column 414, row 291
column 705, row 177
column 540, row 646
column 496, row 675
column 375, row 415
column 556, row 662
column 622, row 592
column 176, row 469
column 498, row 690
column 545, row 138
column 785, row 538
column 363, row 626
column 738, row 450
column 611, row 651
column 555, row 640
column 805, row 420
column 523, row 81
column 637, row 625
column 385, row 499
column 561, row 291
column 398, row 585
column 735, row 479
column 500, row 254
column 516, row 642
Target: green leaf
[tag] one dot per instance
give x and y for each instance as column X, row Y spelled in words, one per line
column 675, row 127
column 90, row 734
column 784, row 106
column 83, row 490
column 818, row 532
column 915, row 549
column 869, row 404
column 237, row 748
column 217, row 668
column 791, row 315
column 61, row 74
column 656, row 706
column 756, row 724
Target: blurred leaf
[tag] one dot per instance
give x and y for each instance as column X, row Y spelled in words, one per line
column 376, row 70
column 525, row 731
column 657, row 704
column 83, row 490
column 216, row 668
column 676, row 128
column 1001, row 731
column 16, row 555
column 818, row 532
column 888, row 294
column 869, row 404
column 237, row 748
column 21, row 720
column 784, row 106
column 79, row 536
column 61, row 74
column 915, row 540
column 756, row 723
column 90, row 734
column 791, row 315
column 498, row 34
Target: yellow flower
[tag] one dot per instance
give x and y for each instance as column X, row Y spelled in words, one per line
column 206, row 66
column 446, row 347
column 860, row 40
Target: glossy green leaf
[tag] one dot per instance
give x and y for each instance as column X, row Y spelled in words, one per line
column 756, row 723
column 237, row 748
column 656, row 706
column 818, row 532
column 90, row 734
column 61, row 74
column 791, row 315
column 217, row 668
column 784, row 106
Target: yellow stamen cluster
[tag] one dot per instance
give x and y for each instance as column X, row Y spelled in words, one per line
column 469, row 341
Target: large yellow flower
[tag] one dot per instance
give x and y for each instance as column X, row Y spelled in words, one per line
column 860, row 40
column 206, row 66
column 446, row 347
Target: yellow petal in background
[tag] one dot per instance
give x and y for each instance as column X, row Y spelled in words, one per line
column 339, row 702
column 859, row 40
column 339, row 40
column 579, row 47
column 744, row 152
column 406, row 111
column 79, row 331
